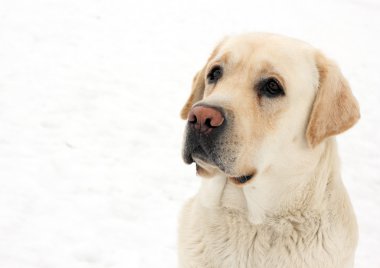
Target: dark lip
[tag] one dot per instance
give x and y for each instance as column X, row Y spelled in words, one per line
column 242, row 179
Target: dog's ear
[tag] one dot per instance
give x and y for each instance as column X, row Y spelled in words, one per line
column 335, row 109
column 197, row 92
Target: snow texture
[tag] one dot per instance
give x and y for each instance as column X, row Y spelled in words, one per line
column 90, row 135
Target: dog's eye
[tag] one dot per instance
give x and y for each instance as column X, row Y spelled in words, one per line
column 214, row 75
column 271, row 88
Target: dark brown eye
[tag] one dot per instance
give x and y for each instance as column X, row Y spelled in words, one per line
column 214, row 75
column 271, row 88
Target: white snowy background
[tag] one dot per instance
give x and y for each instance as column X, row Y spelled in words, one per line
column 90, row 134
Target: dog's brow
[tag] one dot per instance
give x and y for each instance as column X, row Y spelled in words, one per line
column 266, row 69
column 219, row 59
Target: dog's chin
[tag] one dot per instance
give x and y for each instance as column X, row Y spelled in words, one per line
column 206, row 169
column 209, row 162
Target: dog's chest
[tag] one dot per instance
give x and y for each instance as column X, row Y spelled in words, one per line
column 232, row 241
column 225, row 238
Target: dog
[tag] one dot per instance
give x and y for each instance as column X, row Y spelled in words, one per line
column 261, row 123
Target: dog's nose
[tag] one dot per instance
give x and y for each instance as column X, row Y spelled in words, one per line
column 205, row 118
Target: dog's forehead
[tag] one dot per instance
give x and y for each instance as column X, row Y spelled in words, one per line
column 254, row 48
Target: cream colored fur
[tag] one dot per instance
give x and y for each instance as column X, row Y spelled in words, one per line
column 296, row 211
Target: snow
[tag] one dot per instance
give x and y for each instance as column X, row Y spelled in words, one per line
column 90, row 134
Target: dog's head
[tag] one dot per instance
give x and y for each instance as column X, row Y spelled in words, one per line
column 263, row 102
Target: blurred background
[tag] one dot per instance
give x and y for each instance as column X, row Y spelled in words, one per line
column 90, row 136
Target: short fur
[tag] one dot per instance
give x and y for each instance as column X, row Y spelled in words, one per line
column 295, row 211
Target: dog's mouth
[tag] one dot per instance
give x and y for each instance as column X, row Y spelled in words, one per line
column 198, row 154
column 203, row 164
column 241, row 179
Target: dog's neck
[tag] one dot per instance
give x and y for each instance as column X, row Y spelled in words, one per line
column 279, row 192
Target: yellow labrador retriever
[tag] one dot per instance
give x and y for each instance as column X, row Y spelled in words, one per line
column 261, row 120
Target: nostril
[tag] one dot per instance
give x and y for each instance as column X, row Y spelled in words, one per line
column 192, row 118
column 208, row 123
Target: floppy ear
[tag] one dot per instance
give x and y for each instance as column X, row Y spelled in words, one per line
column 335, row 109
column 196, row 93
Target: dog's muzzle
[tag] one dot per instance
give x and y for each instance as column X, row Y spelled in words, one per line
column 205, row 136
column 209, row 140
